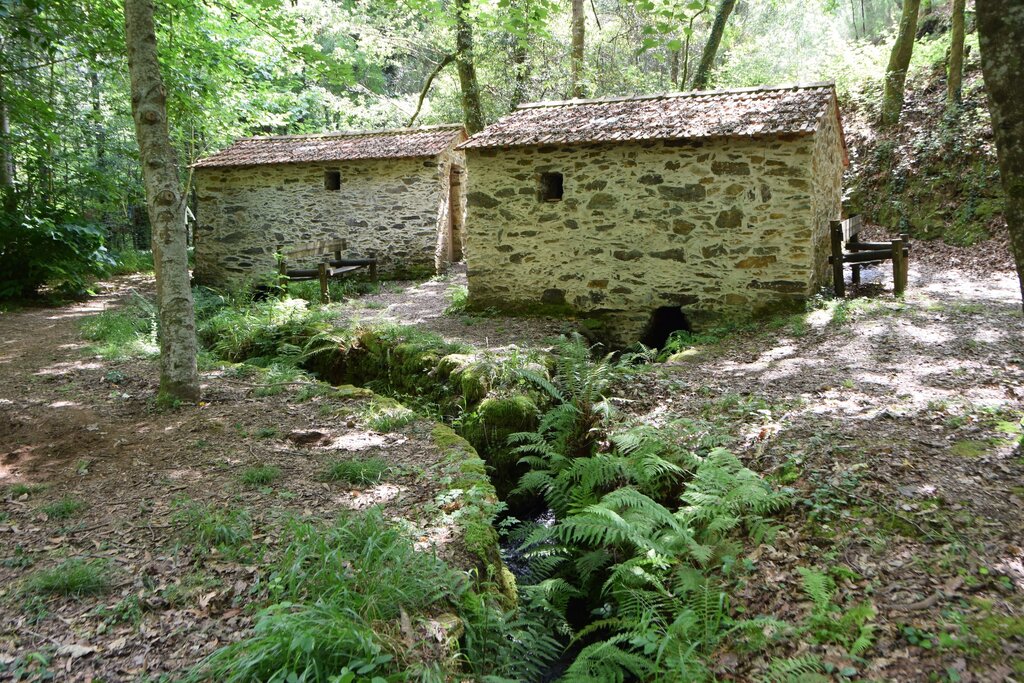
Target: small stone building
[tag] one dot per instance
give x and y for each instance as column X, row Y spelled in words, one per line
column 393, row 194
column 656, row 213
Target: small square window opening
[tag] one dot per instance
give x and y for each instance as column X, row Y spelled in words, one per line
column 551, row 187
column 332, row 180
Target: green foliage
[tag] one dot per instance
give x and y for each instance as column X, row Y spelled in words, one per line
column 63, row 508
column 384, row 415
column 19, row 490
column 458, row 300
column 273, row 328
column 72, row 578
column 126, row 332
column 51, row 249
column 849, row 626
column 358, row 472
column 208, row 525
column 260, row 475
column 129, row 261
column 647, row 525
column 338, row 591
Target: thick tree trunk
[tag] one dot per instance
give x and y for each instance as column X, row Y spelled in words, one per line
column 576, row 50
column 956, row 54
column 6, row 152
column 1001, row 34
column 472, row 110
column 702, row 78
column 179, row 378
column 899, row 61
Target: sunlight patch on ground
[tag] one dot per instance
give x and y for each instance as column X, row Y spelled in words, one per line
column 927, row 334
column 68, row 367
column 65, row 404
column 1014, row 568
column 357, row 441
column 378, row 495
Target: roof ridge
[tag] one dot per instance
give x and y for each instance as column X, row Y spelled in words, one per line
column 675, row 95
column 358, row 133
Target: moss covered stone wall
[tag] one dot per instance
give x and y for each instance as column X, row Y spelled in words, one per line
column 723, row 228
column 388, row 208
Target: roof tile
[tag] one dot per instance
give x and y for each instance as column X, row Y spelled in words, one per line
column 693, row 115
column 427, row 141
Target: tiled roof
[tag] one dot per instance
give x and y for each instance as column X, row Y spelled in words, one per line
column 427, row 141
column 744, row 112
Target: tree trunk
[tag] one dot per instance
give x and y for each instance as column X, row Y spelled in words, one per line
column 956, row 55
column 576, row 51
column 6, row 152
column 899, row 61
column 472, row 110
column 702, row 78
column 521, row 66
column 179, row 378
column 1001, row 34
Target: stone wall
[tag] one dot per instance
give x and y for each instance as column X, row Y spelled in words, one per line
column 829, row 160
column 721, row 228
column 388, row 208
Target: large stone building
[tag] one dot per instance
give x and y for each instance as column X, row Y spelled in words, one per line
column 651, row 213
column 393, row 194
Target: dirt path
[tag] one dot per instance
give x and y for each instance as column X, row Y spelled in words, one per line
column 91, row 470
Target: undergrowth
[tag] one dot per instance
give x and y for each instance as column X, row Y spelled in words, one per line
column 72, row 578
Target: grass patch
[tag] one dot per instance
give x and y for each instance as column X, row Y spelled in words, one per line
column 19, row 490
column 72, row 578
column 383, row 415
column 341, row 595
column 968, row 448
column 128, row 261
column 260, row 475
column 212, row 526
column 360, row 472
column 271, row 330
column 128, row 332
column 64, row 508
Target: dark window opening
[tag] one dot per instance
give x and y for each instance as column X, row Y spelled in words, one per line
column 551, row 187
column 332, row 180
column 664, row 321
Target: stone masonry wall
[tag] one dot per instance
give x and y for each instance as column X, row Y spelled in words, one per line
column 722, row 228
column 827, row 177
column 388, row 208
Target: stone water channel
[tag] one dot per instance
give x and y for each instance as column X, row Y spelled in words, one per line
column 460, row 390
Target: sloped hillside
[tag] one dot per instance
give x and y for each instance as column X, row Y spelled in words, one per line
column 935, row 175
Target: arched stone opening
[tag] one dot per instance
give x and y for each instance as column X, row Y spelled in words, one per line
column 663, row 322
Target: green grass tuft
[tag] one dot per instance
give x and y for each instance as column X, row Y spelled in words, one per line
column 63, row 508
column 209, row 525
column 358, row 472
column 72, row 578
column 19, row 490
column 260, row 475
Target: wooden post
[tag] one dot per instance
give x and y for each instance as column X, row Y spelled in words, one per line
column 855, row 278
column 899, row 266
column 836, row 229
column 373, row 270
column 906, row 258
column 282, row 271
column 324, row 292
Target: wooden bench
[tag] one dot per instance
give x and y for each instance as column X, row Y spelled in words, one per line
column 326, row 269
column 847, row 248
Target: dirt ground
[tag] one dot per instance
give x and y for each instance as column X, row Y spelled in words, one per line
column 77, row 428
column 896, row 425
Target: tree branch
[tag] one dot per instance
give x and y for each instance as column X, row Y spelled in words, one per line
column 448, row 59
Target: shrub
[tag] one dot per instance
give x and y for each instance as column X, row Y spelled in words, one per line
column 266, row 329
column 48, row 249
column 128, row 261
column 458, row 299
